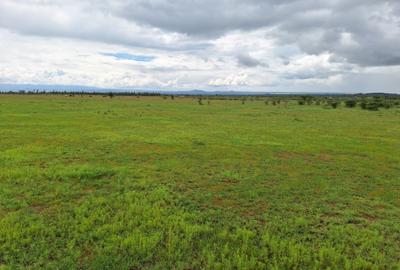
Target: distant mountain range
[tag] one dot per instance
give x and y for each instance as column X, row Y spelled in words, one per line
column 195, row 92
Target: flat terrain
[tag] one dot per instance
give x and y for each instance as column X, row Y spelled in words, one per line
column 153, row 183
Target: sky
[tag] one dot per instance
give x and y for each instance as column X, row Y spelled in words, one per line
column 240, row 45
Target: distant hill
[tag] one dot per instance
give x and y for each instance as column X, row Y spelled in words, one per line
column 195, row 92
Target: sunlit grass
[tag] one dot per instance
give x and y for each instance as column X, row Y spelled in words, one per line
column 154, row 183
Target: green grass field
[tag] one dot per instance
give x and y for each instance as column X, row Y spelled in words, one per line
column 153, row 183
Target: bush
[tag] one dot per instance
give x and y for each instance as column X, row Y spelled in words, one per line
column 350, row 103
column 363, row 105
column 387, row 105
column 334, row 104
column 369, row 105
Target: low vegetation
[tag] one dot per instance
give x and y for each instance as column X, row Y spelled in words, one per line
column 149, row 182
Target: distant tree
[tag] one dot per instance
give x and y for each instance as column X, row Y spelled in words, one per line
column 350, row 103
column 387, row 105
column 370, row 104
column 363, row 104
column 334, row 104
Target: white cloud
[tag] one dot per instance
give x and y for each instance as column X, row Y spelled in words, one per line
column 248, row 45
column 232, row 80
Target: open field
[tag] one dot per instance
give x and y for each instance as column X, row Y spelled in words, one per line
column 153, row 183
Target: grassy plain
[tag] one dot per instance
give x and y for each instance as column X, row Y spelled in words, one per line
column 148, row 183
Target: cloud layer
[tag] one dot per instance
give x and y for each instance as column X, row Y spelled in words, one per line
column 265, row 45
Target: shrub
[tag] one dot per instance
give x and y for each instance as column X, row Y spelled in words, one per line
column 373, row 106
column 369, row 105
column 334, row 104
column 387, row 105
column 350, row 103
column 363, row 105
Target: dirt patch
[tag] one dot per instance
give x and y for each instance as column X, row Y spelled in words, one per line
column 369, row 217
column 289, row 155
column 332, row 203
column 285, row 155
column 259, row 208
column 324, row 157
column 88, row 189
column 86, row 256
column 38, row 208
column 220, row 202
column 230, row 181
column 217, row 187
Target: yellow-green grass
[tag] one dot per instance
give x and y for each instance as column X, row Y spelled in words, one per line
column 153, row 183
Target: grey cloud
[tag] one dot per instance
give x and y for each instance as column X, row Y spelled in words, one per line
column 247, row 60
column 51, row 74
column 309, row 75
column 362, row 32
column 372, row 29
column 73, row 19
column 208, row 17
column 316, row 27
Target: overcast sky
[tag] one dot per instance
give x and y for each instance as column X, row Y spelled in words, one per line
column 255, row 45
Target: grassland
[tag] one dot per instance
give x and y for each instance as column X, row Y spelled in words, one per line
column 153, row 183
